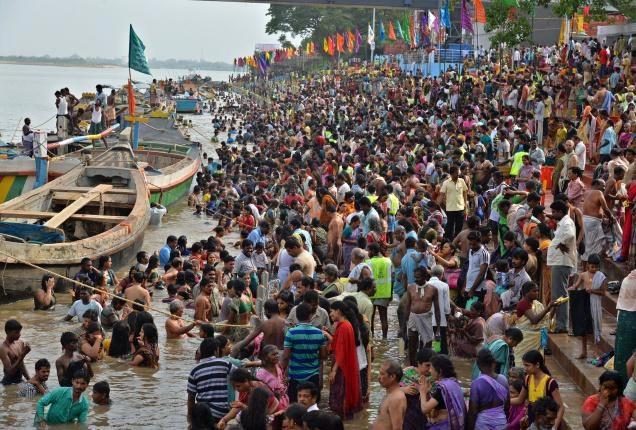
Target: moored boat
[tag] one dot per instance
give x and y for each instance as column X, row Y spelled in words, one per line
column 187, row 105
column 101, row 208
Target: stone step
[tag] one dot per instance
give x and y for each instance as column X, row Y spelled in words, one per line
column 571, row 394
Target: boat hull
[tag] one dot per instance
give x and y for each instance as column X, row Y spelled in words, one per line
column 186, row 105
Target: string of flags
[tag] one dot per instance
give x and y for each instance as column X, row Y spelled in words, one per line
column 415, row 30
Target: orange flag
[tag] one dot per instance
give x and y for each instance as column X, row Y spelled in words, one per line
column 131, row 99
column 350, row 41
column 480, row 12
column 340, row 42
column 330, row 45
column 391, row 31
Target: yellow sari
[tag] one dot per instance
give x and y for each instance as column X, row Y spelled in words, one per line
column 531, row 332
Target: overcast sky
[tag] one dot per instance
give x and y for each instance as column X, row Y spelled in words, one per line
column 181, row 29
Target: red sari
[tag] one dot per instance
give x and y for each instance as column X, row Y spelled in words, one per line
column 345, row 398
column 617, row 419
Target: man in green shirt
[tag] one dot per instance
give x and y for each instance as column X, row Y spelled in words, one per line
column 67, row 404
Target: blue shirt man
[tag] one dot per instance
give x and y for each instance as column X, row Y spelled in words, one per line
column 164, row 253
column 608, row 140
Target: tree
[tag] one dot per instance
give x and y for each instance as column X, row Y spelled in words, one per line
column 509, row 22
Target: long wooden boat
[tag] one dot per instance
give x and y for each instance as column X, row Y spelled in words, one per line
column 98, row 209
column 170, row 161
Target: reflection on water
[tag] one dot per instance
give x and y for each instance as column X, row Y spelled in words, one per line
column 145, row 396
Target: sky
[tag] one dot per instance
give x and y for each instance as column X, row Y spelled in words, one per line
column 181, row 29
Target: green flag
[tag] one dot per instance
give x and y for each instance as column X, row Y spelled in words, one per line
column 136, row 56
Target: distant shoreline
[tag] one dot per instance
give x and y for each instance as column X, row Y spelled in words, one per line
column 55, row 64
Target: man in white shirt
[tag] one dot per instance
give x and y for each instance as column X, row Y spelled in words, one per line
column 343, row 187
column 82, row 305
column 443, row 299
column 478, row 261
column 580, row 151
column 562, row 259
column 308, row 395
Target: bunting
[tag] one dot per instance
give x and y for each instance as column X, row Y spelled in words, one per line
column 392, row 31
column 340, row 42
column 480, row 12
column 467, row 22
column 358, row 41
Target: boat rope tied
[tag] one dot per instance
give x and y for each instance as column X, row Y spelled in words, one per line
column 108, row 293
column 163, row 130
column 40, row 125
column 16, row 130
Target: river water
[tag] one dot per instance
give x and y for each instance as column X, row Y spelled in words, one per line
column 141, row 397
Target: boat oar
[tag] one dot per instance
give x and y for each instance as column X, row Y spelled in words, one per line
column 131, row 302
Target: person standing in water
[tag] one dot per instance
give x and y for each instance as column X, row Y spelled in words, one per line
column 12, row 353
column 393, row 408
column 67, row 404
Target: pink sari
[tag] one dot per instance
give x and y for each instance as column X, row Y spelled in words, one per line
column 276, row 383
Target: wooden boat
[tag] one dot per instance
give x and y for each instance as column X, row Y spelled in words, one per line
column 187, row 105
column 98, row 209
column 170, row 163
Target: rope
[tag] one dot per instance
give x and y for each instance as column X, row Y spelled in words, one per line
column 163, row 130
column 16, row 129
column 148, row 306
column 40, row 125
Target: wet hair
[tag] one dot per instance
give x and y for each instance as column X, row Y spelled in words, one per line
column 12, row 325
column 90, row 314
column 543, row 405
column 120, row 340
column 295, row 412
column 514, row 333
column 208, row 347
column 424, row 355
column 42, row 363
column 45, row 279
column 102, row 387
column 93, row 327
column 68, row 337
column 254, row 417
column 443, row 365
column 102, row 261
column 534, row 357
column 208, row 330
column 612, row 375
column 150, row 333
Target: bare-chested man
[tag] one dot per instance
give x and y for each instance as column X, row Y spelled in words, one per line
column 136, row 291
column 393, row 407
column 203, row 303
column 175, row 326
column 421, row 301
column 71, row 360
column 12, row 353
column 273, row 329
column 594, row 207
column 334, row 234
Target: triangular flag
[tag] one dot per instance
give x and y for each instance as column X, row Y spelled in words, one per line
column 480, row 12
column 358, row 40
column 467, row 22
column 444, row 15
column 136, row 53
column 398, row 29
column 331, row 46
column 382, row 34
column 432, row 19
column 350, row 41
column 325, row 45
column 370, row 35
column 406, row 31
column 340, row 42
column 391, row 31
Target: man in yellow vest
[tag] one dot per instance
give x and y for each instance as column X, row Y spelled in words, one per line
column 382, row 269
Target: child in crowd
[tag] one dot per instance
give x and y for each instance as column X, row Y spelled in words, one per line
column 585, row 297
column 516, row 412
column 37, row 384
column 101, row 393
column 503, row 276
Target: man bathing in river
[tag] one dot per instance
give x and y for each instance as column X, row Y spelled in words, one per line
column 393, row 407
column 176, row 328
column 12, row 353
column 421, row 301
column 71, row 360
column 594, row 207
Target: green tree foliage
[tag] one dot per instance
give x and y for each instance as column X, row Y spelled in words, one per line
column 315, row 23
column 509, row 21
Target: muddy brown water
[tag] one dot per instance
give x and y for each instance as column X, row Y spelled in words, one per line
column 145, row 397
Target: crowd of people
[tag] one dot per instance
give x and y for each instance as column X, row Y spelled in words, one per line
column 458, row 198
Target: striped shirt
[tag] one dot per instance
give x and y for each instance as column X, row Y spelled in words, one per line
column 305, row 342
column 208, row 383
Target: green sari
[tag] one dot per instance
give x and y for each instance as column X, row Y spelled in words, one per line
column 501, row 351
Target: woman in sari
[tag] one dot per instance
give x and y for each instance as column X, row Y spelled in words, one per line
column 500, row 347
column 609, row 409
column 488, row 396
column 344, row 394
column 628, row 248
column 443, row 401
column 530, row 319
column 537, row 384
column 147, row 355
column 469, row 340
column 350, row 236
column 273, row 375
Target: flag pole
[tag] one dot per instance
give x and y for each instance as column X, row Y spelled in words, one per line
column 373, row 44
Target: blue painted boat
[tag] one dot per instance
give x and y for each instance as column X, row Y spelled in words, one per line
column 187, row 105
